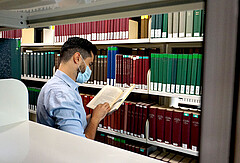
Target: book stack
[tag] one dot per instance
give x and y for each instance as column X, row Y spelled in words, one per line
column 39, row 64
column 32, row 98
column 176, row 73
column 178, row 24
column 14, row 34
column 125, row 144
column 179, row 127
column 114, row 29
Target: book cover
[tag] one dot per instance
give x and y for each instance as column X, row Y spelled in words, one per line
column 140, row 72
column 35, row 65
column 125, row 118
column 189, row 72
column 142, row 27
column 174, row 73
column 186, row 128
column 152, row 123
column 112, row 124
column 145, row 109
column 195, row 127
column 136, row 120
column 165, row 26
column 158, row 30
column 197, row 19
column 153, row 26
column 145, row 71
column 179, row 72
column 119, row 120
column 189, row 23
column 199, row 75
column 177, row 127
column 122, row 117
column 160, row 123
column 184, row 73
column 109, row 65
column 194, row 73
column 182, row 24
column 39, row 65
column 134, row 105
column 140, row 113
column 165, row 72
column 168, row 125
column 169, row 71
column 129, row 118
column 175, row 24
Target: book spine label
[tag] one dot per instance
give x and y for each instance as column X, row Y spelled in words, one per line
column 168, row 127
column 152, row 124
column 160, row 125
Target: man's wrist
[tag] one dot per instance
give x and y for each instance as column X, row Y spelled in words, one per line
column 95, row 120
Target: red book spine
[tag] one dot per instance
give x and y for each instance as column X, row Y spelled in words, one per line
column 90, row 30
column 119, row 119
column 146, row 71
column 124, row 71
column 90, row 98
column 168, row 126
column 144, row 119
column 117, row 70
column 112, row 121
column 65, row 32
column 125, row 118
column 109, row 29
column 100, row 30
column 136, row 120
column 177, row 128
column 81, row 28
column 85, row 102
column 97, row 31
column 70, row 30
column 94, row 31
column 134, row 70
column 131, row 70
column 56, row 33
column 124, row 28
column 85, row 30
column 127, row 147
column 160, row 124
column 140, row 113
column 73, row 30
column 118, row 29
column 127, row 28
column 112, row 30
column 121, row 71
column 105, row 122
column 186, row 128
column 121, row 29
column 152, row 123
column 115, row 29
column 137, row 72
column 105, row 30
column 78, row 29
column 195, row 132
column 140, row 72
column 132, row 118
column 128, row 69
column 122, row 117
column 109, row 122
column 129, row 118
column 144, row 75
column 116, row 121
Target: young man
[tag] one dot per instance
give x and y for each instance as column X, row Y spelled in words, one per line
column 59, row 103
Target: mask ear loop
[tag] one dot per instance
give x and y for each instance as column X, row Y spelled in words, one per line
column 83, row 60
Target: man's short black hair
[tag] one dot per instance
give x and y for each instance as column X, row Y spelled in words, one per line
column 76, row 44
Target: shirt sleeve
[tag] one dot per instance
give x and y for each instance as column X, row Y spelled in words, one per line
column 64, row 109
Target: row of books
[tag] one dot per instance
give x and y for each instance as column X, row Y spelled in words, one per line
column 178, row 24
column 174, row 126
column 114, row 29
column 33, row 93
column 125, row 144
column 14, row 34
column 171, row 157
column 176, row 73
column 38, row 64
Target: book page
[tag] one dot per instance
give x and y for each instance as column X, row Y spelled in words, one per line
column 107, row 94
column 122, row 98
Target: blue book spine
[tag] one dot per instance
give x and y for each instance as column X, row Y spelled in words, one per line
column 113, row 65
column 109, row 66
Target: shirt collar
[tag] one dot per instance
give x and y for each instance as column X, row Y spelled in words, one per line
column 67, row 79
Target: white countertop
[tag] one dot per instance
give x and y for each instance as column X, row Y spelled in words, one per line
column 31, row 142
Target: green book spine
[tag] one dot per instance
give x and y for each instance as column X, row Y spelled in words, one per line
column 24, row 64
column 199, row 75
column 52, row 63
column 153, row 26
column 35, row 64
column 27, row 65
column 179, row 72
column 39, row 65
column 152, row 70
column 174, row 72
column 32, row 64
column 165, row 67
column 42, row 65
column 155, row 80
column 158, row 30
column 165, row 26
column 21, row 63
column 46, row 65
column 169, row 72
column 202, row 24
column 49, row 65
column 189, row 72
column 160, row 72
column 194, row 74
column 197, row 14
column 184, row 73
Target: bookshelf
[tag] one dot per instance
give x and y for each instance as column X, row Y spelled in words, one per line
column 32, row 111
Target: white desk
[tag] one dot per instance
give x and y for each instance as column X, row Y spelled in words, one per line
column 31, row 142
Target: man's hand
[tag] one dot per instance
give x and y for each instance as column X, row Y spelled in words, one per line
column 101, row 111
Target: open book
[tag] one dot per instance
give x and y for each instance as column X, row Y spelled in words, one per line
column 113, row 95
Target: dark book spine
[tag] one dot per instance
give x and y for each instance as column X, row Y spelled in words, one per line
column 160, row 124
column 152, row 123
column 105, row 69
column 128, row 70
column 99, row 70
column 132, row 119
column 168, row 126
column 134, row 70
column 95, row 68
column 140, row 113
column 115, row 121
column 186, row 128
column 129, row 118
column 136, row 120
column 125, row 118
column 109, row 122
column 121, row 71
column 195, row 132
column 85, row 102
column 140, row 72
column 122, row 117
column 105, row 122
column 119, row 119
column 177, row 128
column 144, row 119
column 137, row 72
column 102, row 69
column 112, row 121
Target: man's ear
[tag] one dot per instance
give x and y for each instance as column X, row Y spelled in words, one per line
column 76, row 58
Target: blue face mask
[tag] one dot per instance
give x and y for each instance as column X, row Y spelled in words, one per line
column 84, row 77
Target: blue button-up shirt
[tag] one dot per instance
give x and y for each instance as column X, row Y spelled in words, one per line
column 60, row 105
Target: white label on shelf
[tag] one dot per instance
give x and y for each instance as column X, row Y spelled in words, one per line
column 196, row 34
column 152, row 33
column 164, row 88
column 177, row 88
column 124, row 35
column 151, row 86
column 139, row 136
column 181, row 35
column 142, row 136
column 155, row 86
column 164, row 35
column 184, row 146
column 109, row 128
column 175, row 35
column 170, row 35
column 121, row 35
column 98, row 36
column 145, row 87
column 172, row 88
column 118, row 35
column 187, row 89
column 128, row 133
column 175, row 144
column 194, row 148
column 105, row 36
column 127, row 37
column 192, row 89
column 150, row 139
column 108, row 81
column 125, row 132
column 98, row 83
column 167, row 142
column 112, row 36
column 168, row 87
column 197, row 90
column 109, row 36
column 0, row 34
column 159, row 140
column 188, row 35
column 159, row 86
column 202, row 34
column 131, row 134
column 135, row 135
column 158, row 33
column 94, row 36
column 89, row 37
column 182, row 88
column 94, row 82
column 121, row 131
